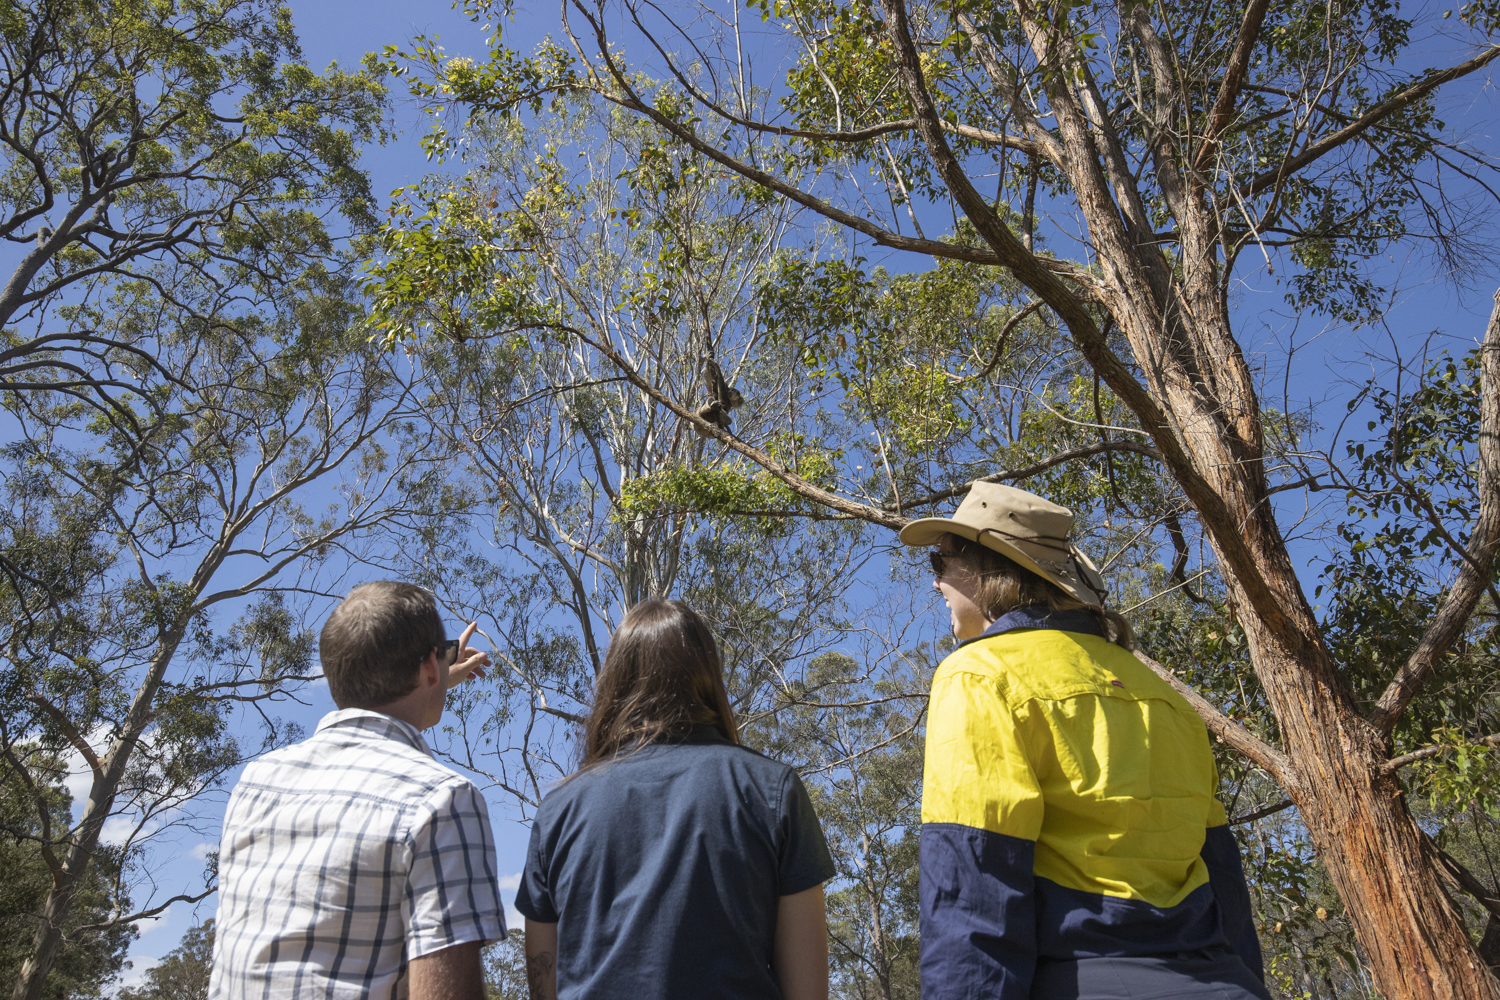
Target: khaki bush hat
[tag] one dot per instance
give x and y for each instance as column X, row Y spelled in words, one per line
column 1021, row 526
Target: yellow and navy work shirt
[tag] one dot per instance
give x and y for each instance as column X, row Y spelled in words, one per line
column 1068, row 812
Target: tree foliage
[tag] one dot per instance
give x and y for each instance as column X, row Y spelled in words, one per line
column 1195, row 145
column 197, row 431
column 183, row 973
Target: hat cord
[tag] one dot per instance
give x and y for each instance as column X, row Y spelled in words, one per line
column 1061, row 545
column 1083, row 578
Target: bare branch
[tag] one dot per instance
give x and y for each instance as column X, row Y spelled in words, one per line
column 1396, row 763
column 65, row 725
column 1087, row 451
column 1227, row 731
column 796, row 483
column 1461, row 876
column 1378, row 113
column 1474, row 575
column 1234, row 80
column 632, row 101
column 1281, row 806
column 1005, row 332
column 142, row 915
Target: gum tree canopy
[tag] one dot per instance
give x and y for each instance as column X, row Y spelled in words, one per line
column 193, row 424
column 1184, row 140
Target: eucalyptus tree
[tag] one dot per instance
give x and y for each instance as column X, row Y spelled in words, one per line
column 88, row 963
column 154, row 588
column 194, row 431
column 189, row 131
column 556, row 510
column 183, row 972
column 1192, row 143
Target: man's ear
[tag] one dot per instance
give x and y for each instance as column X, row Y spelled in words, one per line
column 429, row 674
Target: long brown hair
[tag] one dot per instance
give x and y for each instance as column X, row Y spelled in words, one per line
column 661, row 677
column 1005, row 585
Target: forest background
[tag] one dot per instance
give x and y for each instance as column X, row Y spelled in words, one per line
column 539, row 490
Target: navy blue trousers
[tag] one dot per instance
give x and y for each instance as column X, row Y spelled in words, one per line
column 1200, row 975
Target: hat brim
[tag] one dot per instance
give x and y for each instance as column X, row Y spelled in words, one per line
column 927, row 530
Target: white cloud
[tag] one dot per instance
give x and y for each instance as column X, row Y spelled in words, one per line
column 136, row 974
column 117, row 828
column 200, row 852
column 508, row 886
column 148, row 924
column 78, row 783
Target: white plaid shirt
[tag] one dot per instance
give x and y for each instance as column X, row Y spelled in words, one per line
column 343, row 858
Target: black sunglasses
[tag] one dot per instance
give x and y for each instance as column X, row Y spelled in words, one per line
column 939, row 561
column 448, row 652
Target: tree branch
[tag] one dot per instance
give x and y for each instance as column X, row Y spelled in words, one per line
column 65, row 725
column 1460, row 875
column 1396, row 763
column 1380, row 111
column 1474, row 574
column 143, row 914
column 1281, row 806
column 1229, row 732
column 860, row 224
column 794, row 482
column 1234, row 80
column 1005, row 332
column 1088, row 451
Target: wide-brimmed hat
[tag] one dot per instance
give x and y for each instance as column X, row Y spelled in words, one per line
column 1021, row 526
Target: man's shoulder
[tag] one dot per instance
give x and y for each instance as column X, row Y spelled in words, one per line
column 362, row 762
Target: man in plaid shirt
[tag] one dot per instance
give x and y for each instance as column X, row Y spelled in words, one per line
column 353, row 864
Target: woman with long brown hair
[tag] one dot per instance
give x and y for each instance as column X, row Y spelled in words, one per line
column 675, row 862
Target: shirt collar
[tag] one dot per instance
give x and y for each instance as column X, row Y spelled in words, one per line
column 1040, row 616
column 378, row 723
column 704, row 733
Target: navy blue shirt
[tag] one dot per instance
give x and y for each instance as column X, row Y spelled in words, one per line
column 663, row 870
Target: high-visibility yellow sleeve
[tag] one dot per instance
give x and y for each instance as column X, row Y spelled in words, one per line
column 977, row 773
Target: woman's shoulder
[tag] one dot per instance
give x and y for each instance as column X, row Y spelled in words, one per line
column 737, row 758
column 1055, row 665
column 691, row 762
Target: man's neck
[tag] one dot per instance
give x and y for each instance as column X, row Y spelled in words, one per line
column 412, row 715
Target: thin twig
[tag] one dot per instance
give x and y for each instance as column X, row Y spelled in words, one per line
column 1284, row 804
column 1396, row 763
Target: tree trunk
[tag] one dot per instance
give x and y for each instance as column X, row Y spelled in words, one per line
column 1412, row 936
column 1197, row 400
column 64, row 892
column 1489, row 945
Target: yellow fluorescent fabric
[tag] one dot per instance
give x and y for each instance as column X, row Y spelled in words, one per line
column 1070, row 741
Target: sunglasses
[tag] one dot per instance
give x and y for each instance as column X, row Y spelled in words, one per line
column 939, row 561
column 448, row 652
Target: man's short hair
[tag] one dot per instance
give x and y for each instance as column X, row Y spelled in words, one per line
column 373, row 644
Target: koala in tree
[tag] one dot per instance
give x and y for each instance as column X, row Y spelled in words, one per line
column 722, row 397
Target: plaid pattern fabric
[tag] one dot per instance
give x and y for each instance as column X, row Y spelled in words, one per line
column 343, row 858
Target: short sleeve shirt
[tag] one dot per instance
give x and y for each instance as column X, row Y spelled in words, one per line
column 343, row 858
column 663, row 871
